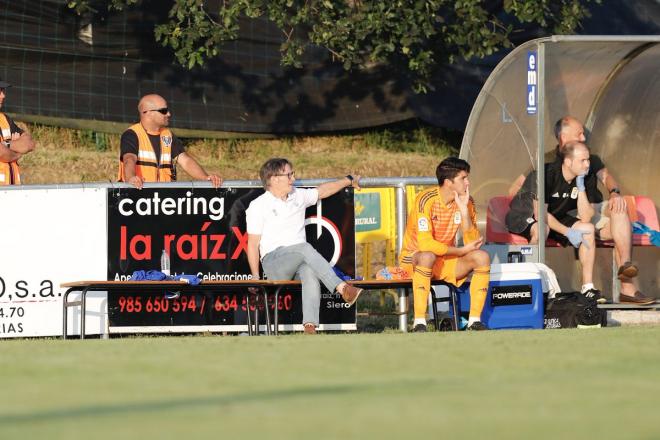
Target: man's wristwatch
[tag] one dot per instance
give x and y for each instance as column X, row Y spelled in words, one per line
column 615, row 190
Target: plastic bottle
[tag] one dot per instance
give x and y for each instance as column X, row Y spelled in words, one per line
column 165, row 263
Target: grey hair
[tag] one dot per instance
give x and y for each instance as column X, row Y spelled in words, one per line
column 271, row 168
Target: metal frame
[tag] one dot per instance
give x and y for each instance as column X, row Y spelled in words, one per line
column 216, row 287
column 211, row 287
column 401, row 285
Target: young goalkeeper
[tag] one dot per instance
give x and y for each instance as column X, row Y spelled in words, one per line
column 429, row 243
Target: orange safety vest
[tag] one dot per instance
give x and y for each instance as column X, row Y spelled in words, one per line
column 147, row 167
column 9, row 173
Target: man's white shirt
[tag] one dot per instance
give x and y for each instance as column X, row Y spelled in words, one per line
column 280, row 222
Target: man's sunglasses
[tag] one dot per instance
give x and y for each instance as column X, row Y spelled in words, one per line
column 162, row 111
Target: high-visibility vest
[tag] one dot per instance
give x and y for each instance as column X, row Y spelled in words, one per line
column 9, row 173
column 147, row 167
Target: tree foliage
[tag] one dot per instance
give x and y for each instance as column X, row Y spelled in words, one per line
column 414, row 36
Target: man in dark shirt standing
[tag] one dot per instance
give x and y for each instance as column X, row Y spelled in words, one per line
column 14, row 143
column 148, row 149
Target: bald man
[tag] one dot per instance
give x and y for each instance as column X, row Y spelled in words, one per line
column 576, row 211
column 149, row 151
column 611, row 217
column 569, row 194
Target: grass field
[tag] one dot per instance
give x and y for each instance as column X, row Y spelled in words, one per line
column 551, row 384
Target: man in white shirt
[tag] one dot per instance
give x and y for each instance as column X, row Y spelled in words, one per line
column 276, row 232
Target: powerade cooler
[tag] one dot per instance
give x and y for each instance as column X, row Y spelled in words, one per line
column 514, row 300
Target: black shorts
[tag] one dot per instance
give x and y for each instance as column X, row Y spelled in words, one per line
column 567, row 221
column 527, row 233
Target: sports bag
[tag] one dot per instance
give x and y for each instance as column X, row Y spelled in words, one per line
column 571, row 310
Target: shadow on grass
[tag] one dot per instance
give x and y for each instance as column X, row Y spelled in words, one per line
column 95, row 410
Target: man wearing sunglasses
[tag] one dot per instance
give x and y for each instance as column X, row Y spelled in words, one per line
column 14, row 143
column 276, row 233
column 149, row 151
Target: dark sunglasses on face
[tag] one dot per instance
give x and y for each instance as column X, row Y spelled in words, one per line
column 162, row 111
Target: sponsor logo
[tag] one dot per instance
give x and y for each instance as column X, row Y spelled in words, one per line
column 335, row 235
column 511, row 295
column 532, row 82
column 551, row 323
column 366, row 221
column 172, row 206
column 423, row 225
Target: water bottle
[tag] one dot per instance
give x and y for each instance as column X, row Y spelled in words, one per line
column 165, row 263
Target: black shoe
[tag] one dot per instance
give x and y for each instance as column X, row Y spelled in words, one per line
column 419, row 328
column 595, row 295
column 446, row 325
column 477, row 326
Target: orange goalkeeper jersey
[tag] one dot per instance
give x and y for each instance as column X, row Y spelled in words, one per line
column 432, row 225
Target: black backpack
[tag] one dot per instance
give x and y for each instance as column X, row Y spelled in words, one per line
column 572, row 309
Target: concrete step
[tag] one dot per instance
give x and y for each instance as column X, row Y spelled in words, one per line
column 617, row 318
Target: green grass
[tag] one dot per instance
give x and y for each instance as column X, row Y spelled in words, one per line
column 495, row 385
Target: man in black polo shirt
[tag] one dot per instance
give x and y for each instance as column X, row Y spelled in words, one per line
column 609, row 218
column 570, row 191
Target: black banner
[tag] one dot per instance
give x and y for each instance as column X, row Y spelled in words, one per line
column 204, row 233
column 511, row 295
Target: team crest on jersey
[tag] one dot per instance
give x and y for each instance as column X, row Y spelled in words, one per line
column 167, row 140
column 574, row 193
column 423, row 224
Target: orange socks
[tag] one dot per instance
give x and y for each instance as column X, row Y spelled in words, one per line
column 421, row 281
column 478, row 291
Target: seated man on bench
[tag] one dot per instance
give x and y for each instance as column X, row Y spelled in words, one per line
column 429, row 248
column 609, row 219
column 276, row 232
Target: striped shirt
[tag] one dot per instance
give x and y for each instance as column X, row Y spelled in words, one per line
column 432, row 225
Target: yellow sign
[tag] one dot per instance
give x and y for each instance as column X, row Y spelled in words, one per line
column 374, row 215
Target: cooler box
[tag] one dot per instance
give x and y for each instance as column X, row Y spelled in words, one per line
column 515, row 297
